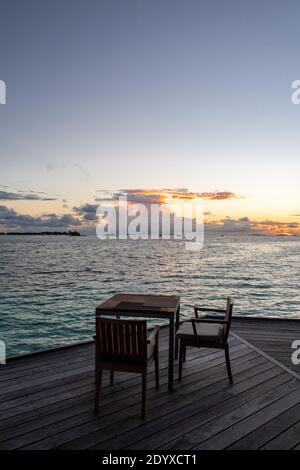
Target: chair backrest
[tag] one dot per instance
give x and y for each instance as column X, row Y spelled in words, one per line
column 121, row 340
column 228, row 316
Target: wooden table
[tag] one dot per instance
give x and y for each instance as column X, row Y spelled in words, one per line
column 166, row 307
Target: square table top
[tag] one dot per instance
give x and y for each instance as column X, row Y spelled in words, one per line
column 167, row 304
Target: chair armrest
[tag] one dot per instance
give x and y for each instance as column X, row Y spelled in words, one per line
column 153, row 334
column 206, row 309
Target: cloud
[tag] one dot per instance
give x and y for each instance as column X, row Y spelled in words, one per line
column 85, row 216
column 52, row 167
column 65, row 204
column 165, row 195
column 87, row 211
column 243, row 224
column 25, row 196
column 219, row 196
column 247, row 226
column 11, row 220
column 81, row 168
column 275, row 227
column 272, row 223
column 185, row 194
column 228, row 225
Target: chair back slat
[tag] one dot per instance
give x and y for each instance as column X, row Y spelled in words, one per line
column 134, row 342
column 109, row 341
column 139, row 337
column 128, row 338
column 121, row 340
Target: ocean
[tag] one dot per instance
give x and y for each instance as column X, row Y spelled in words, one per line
column 50, row 285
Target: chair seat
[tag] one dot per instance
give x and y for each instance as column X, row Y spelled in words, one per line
column 210, row 332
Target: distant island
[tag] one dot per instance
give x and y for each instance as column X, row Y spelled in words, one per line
column 70, row 233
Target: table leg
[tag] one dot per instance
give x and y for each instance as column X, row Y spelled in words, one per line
column 171, row 353
column 176, row 328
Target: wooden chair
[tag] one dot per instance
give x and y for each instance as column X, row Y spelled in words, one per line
column 123, row 345
column 207, row 333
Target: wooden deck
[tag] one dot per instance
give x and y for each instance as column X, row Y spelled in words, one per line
column 272, row 336
column 46, row 400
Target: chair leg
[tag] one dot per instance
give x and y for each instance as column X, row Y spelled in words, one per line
column 156, row 362
column 184, row 354
column 181, row 347
column 98, row 387
column 144, row 388
column 228, row 363
column 111, row 377
column 176, row 347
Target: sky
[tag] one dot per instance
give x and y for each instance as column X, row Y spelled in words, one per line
column 140, row 97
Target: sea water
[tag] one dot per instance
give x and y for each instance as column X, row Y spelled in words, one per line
column 50, row 285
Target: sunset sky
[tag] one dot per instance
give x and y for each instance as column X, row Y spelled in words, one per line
column 142, row 97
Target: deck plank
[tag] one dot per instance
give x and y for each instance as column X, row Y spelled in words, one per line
column 46, row 400
column 273, row 336
column 267, row 432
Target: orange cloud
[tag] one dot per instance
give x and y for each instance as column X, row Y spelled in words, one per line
column 248, row 226
column 271, row 227
column 184, row 194
column 165, row 195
